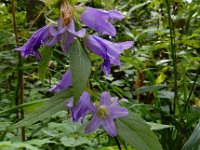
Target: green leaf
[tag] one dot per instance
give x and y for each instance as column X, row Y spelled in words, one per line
column 80, row 66
column 40, row 142
column 52, row 106
column 193, row 140
column 74, row 141
column 49, row 2
column 137, row 6
column 134, row 130
column 46, row 54
column 152, row 88
column 157, row 126
column 27, row 107
column 16, row 145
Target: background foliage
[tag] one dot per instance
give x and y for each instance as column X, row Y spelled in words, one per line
column 159, row 77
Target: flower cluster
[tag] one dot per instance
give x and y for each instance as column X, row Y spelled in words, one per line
column 103, row 115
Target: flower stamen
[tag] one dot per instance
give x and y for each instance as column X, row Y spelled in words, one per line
column 102, row 112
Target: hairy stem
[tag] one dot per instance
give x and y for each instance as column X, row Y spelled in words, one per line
column 20, row 84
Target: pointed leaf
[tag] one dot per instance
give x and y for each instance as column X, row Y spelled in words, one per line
column 134, row 130
column 52, row 106
column 80, row 66
column 193, row 140
column 46, row 54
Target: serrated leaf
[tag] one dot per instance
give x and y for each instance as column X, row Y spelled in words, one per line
column 46, row 53
column 135, row 131
column 80, row 67
column 52, row 106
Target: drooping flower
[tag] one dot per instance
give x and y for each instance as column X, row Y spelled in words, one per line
column 65, row 34
column 99, row 20
column 39, row 38
column 109, row 51
column 84, row 104
column 83, row 107
column 104, row 115
column 64, row 83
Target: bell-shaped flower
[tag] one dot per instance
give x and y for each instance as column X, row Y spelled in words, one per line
column 39, row 38
column 84, row 104
column 104, row 114
column 83, row 107
column 109, row 51
column 99, row 20
column 64, row 83
column 65, row 34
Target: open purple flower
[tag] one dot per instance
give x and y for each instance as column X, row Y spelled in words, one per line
column 104, row 115
column 65, row 34
column 64, row 83
column 98, row 20
column 109, row 51
column 83, row 107
column 37, row 39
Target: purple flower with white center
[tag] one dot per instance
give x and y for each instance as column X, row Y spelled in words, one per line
column 82, row 108
column 98, row 20
column 109, row 51
column 104, row 115
column 37, row 39
column 65, row 34
column 64, row 83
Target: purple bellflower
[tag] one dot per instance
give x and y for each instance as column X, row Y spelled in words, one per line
column 98, row 20
column 104, row 115
column 39, row 38
column 83, row 107
column 65, row 34
column 84, row 103
column 109, row 51
column 64, row 83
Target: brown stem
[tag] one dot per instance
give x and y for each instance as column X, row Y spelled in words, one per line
column 20, row 98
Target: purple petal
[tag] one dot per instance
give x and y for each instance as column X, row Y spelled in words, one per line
column 64, row 83
column 36, row 40
column 109, row 126
column 67, row 39
column 98, row 20
column 117, row 112
column 95, row 45
column 81, row 109
column 105, row 99
column 70, row 103
column 92, row 125
column 106, row 66
column 125, row 45
column 54, row 40
column 114, row 14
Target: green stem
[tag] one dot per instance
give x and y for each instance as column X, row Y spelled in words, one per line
column 118, row 143
column 173, row 54
column 20, row 87
column 191, row 90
